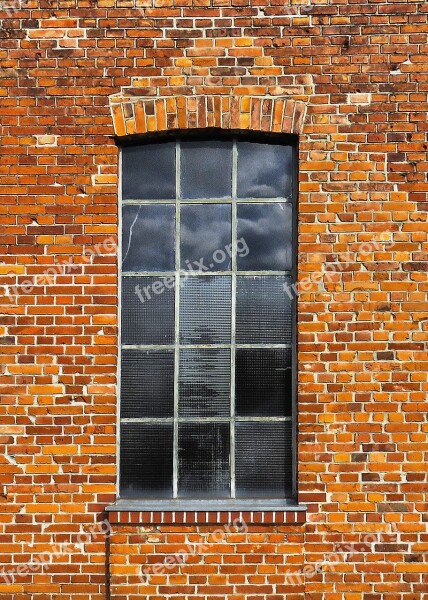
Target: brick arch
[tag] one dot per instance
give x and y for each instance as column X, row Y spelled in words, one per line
column 136, row 116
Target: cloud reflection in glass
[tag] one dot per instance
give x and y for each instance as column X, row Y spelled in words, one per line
column 148, row 237
column 267, row 230
column 204, row 230
column 264, row 170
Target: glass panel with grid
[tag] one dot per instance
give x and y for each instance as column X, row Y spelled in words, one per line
column 207, row 321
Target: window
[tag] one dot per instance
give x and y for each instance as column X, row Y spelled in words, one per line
column 207, row 335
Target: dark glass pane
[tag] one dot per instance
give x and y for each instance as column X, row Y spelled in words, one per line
column 148, row 237
column 206, row 237
column 263, row 310
column 203, row 460
column 263, row 382
column 263, row 460
column 206, row 169
column 266, row 231
column 148, row 171
column 146, row 460
column 204, row 383
column 205, row 310
column 147, row 383
column 148, row 310
column 264, row 170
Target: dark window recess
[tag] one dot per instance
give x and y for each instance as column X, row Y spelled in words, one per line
column 205, row 310
column 146, row 460
column 263, row 382
column 147, row 316
column 203, row 460
column 147, row 383
column 263, row 460
column 207, row 313
column 263, row 310
column 204, row 376
column 206, row 169
column 148, row 172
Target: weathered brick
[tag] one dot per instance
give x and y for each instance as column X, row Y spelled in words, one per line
column 350, row 80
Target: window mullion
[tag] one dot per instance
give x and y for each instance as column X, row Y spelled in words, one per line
column 233, row 321
column 177, row 319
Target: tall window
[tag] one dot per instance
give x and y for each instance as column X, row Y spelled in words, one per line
column 207, row 336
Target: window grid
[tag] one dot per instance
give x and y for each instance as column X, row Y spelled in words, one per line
column 234, row 201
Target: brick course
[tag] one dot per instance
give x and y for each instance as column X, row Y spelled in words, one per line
column 351, row 79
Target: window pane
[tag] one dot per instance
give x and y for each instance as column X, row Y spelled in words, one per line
column 147, row 383
column 148, row 310
column 148, row 237
column 206, row 237
column 263, row 310
column 148, row 171
column 263, row 459
column 206, row 169
column 203, row 460
column 263, row 382
column 204, row 383
column 264, row 170
column 205, row 309
column 146, row 460
column 266, row 230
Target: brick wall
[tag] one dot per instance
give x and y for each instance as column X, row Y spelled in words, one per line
column 359, row 69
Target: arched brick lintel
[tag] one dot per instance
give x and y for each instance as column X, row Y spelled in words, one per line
column 137, row 116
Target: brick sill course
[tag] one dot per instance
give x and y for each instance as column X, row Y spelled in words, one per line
column 140, row 512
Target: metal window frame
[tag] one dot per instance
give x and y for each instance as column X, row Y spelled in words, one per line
column 233, row 201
